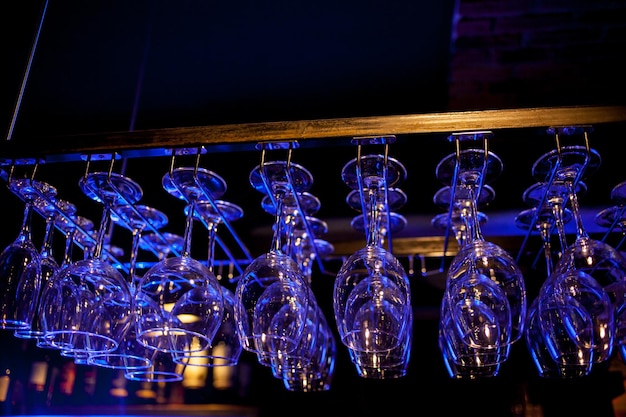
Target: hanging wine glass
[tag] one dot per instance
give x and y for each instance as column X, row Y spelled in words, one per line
column 48, row 263
column 272, row 294
column 588, row 267
column 68, row 223
column 130, row 354
column 574, row 338
column 318, row 374
column 90, row 294
column 467, row 170
column 225, row 348
column 20, row 270
column 371, row 295
column 611, row 217
column 179, row 299
column 466, row 360
column 309, row 357
column 567, row 165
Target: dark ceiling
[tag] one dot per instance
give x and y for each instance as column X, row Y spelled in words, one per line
column 120, row 65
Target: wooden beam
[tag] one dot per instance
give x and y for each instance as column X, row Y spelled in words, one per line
column 160, row 141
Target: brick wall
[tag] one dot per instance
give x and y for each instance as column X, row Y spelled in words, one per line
column 526, row 53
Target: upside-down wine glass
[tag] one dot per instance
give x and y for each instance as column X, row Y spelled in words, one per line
column 130, row 354
column 394, row 362
column 576, row 337
column 306, row 368
column 162, row 366
column 461, row 360
column 68, row 223
column 589, row 270
column 272, row 295
column 610, row 218
column 49, row 265
column 485, row 295
column 225, row 348
column 310, row 366
column 20, row 270
column 179, row 299
column 371, row 294
column 91, row 294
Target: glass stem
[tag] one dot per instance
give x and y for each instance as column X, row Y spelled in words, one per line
column 69, row 246
column 581, row 233
column 25, row 230
column 104, row 221
column 373, row 217
column 46, row 247
column 212, row 229
column 545, row 229
column 279, row 194
column 134, row 250
column 186, row 250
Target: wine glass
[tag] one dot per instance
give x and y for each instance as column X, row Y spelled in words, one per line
column 468, row 170
column 318, row 374
column 272, row 295
column 68, row 222
column 588, row 266
column 130, row 354
column 51, row 211
column 307, row 367
column 371, row 293
column 20, row 270
column 225, row 348
column 179, row 299
column 90, row 294
column 394, row 362
column 611, row 217
column 465, row 360
column 563, row 342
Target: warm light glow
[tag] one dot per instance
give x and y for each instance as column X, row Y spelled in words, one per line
column 188, row 318
column 195, row 373
column 222, row 375
column 4, row 386
column 38, row 374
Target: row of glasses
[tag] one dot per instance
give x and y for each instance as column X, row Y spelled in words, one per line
column 310, row 366
column 130, row 355
column 225, row 348
column 85, row 308
column 371, row 294
column 573, row 323
column 179, row 301
column 483, row 309
column 613, row 218
column 20, row 270
column 278, row 316
column 48, row 263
